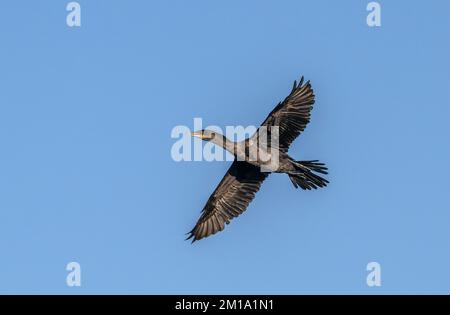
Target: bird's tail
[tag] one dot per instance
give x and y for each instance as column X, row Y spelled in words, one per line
column 305, row 174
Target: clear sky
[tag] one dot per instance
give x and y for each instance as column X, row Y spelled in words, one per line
column 86, row 173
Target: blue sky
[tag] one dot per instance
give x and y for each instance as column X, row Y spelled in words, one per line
column 86, row 173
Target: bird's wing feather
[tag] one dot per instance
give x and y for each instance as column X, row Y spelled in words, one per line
column 292, row 115
column 231, row 197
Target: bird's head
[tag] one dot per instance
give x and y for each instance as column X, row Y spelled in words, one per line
column 205, row 134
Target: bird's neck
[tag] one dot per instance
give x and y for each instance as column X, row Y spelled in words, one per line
column 225, row 143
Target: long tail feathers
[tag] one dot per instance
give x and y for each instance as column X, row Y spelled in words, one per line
column 305, row 175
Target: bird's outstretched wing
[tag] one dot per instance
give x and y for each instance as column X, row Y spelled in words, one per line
column 292, row 115
column 231, row 197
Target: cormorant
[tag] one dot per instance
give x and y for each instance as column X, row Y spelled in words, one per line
column 245, row 176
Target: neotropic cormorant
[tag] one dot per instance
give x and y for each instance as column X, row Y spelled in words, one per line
column 245, row 176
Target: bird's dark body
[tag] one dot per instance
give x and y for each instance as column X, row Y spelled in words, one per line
column 255, row 159
column 285, row 162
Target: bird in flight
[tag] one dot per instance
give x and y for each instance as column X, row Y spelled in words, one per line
column 245, row 176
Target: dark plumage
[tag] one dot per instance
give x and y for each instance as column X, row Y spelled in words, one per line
column 244, row 178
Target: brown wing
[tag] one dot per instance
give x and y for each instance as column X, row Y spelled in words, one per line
column 234, row 193
column 292, row 115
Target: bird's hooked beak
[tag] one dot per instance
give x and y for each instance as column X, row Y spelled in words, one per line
column 201, row 135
